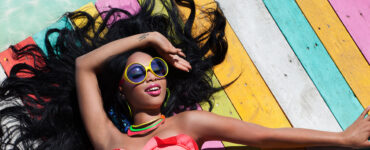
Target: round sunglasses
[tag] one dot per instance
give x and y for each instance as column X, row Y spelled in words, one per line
column 136, row 73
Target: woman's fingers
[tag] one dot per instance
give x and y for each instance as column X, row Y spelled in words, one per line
column 180, row 63
column 176, row 51
column 179, row 52
column 366, row 111
column 365, row 144
column 184, row 63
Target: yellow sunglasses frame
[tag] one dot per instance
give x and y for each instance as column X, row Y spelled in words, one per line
column 149, row 67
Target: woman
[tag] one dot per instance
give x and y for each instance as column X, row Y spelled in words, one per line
column 146, row 96
column 92, row 87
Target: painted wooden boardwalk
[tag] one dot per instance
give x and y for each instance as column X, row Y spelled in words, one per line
column 303, row 63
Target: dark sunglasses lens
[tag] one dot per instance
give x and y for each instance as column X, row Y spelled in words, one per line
column 136, row 73
column 159, row 67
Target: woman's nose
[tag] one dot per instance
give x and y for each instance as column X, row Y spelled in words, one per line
column 150, row 76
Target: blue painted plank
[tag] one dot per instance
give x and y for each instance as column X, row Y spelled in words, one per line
column 39, row 37
column 316, row 61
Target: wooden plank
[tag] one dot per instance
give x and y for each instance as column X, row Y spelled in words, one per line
column 2, row 75
column 340, row 46
column 316, row 61
column 278, row 65
column 39, row 37
column 8, row 58
column 355, row 15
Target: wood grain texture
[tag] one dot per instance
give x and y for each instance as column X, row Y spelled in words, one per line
column 278, row 65
column 316, row 61
column 340, row 47
column 355, row 15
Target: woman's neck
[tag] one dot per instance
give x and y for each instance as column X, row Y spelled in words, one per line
column 145, row 116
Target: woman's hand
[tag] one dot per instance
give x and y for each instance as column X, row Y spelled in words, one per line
column 358, row 133
column 164, row 47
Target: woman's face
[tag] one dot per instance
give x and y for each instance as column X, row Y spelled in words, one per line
column 148, row 95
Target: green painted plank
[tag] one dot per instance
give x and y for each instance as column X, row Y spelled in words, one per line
column 222, row 106
column 316, row 61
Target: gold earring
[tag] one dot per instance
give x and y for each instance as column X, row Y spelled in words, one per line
column 129, row 109
column 168, row 96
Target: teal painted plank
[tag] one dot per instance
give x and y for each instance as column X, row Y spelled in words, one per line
column 316, row 61
column 39, row 37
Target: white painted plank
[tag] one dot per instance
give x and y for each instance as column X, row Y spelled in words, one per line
column 278, row 65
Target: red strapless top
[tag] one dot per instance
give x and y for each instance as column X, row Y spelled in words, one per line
column 179, row 142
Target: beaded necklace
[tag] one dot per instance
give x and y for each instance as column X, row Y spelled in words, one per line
column 139, row 130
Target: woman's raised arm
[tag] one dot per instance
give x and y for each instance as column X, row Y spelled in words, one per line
column 98, row 126
column 208, row 126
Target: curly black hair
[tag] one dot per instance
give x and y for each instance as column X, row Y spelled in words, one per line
column 48, row 115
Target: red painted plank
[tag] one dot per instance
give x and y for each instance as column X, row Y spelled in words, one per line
column 8, row 58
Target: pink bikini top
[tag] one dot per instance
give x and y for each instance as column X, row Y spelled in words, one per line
column 179, row 142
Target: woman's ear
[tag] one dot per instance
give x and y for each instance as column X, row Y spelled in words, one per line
column 120, row 89
column 121, row 92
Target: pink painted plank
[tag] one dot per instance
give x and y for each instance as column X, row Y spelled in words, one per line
column 132, row 6
column 355, row 15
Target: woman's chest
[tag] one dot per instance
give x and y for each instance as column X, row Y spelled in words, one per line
column 166, row 134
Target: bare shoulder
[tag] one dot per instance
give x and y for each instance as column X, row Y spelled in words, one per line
column 197, row 121
column 193, row 123
column 194, row 116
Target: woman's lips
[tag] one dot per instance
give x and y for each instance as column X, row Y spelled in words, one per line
column 153, row 89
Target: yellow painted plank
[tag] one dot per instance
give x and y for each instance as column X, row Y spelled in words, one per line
column 340, row 46
column 222, row 104
column 81, row 21
column 249, row 94
column 269, row 113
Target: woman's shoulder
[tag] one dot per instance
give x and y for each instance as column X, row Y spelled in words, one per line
column 192, row 118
